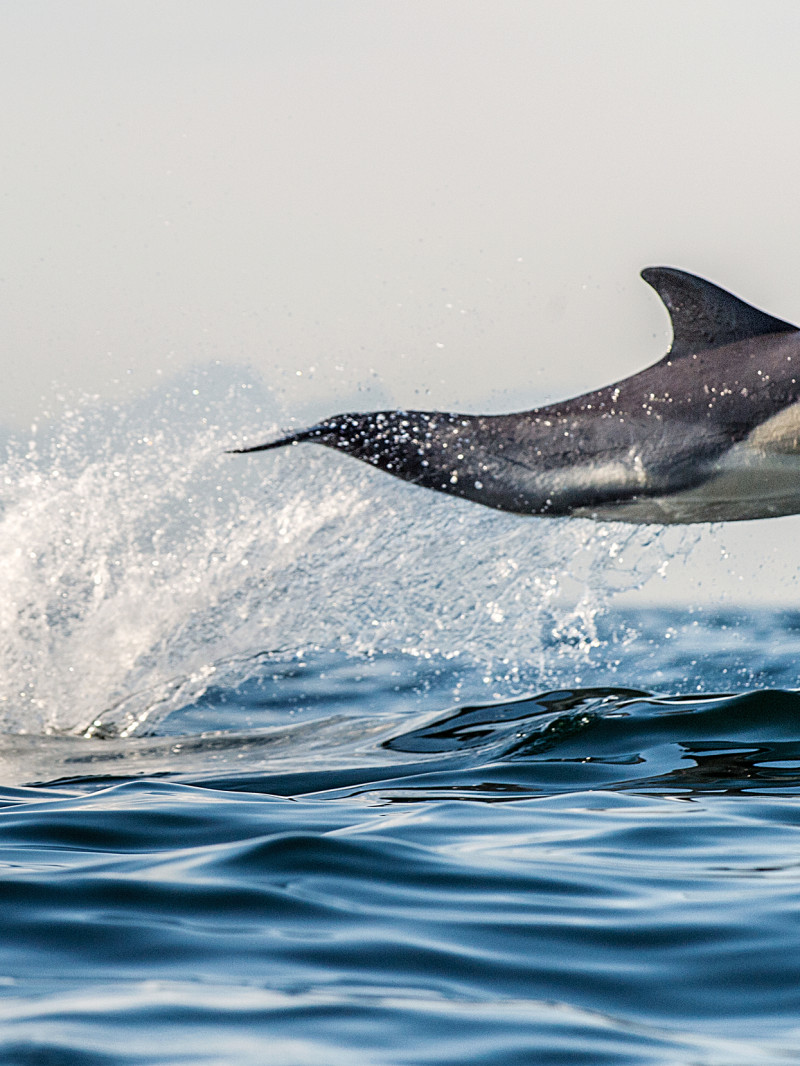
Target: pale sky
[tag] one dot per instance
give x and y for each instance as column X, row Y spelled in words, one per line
column 451, row 198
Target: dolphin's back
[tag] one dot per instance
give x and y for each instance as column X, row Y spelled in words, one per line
column 724, row 399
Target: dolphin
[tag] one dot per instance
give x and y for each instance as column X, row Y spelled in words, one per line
column 709, row 433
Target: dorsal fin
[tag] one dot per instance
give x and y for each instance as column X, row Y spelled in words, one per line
column 705, row 316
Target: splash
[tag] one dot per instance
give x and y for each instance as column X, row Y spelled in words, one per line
column 138, row 561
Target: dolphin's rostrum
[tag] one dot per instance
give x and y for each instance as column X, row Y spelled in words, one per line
column 711, row 432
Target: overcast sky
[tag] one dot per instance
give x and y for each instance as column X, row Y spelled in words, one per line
column 447, row 197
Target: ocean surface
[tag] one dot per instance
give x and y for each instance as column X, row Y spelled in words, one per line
column 300, row 765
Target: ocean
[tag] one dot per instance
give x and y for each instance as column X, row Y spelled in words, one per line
column 302, row 765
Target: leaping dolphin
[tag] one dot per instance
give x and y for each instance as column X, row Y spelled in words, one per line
column 709, row 433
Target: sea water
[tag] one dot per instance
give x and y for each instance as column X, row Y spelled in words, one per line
column 303, row 765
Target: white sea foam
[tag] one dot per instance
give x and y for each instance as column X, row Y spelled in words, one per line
column 136, row 558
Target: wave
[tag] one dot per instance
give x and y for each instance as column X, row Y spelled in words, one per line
column 568, row 740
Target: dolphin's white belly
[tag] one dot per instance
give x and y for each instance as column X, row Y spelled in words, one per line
column 759, row 478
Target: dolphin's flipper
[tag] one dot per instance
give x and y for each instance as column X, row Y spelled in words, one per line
column 705, row 316
column 710, row 432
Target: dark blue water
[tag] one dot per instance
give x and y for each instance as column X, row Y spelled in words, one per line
column 300, row 766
